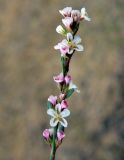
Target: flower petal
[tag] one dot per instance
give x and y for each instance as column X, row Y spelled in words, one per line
column 77, row 90
column 60, row 30
column 56, row 46
column 73, row 86
column 59, row 78
column 71, row 51
column 64, row 122
column 83, row 11
column 53, row 122
column 52, row 99
column 46, row 134
column 64, row 104
column 87, row 18
column 84, row 14
column 75, row 14
column 64, row 42
column 79, row 48
column 66, row 11
column 65, row 113
column 69, row 37
column 60, row 135
column 58, row 107
column 67, row 22
column 51, row 112
column 64, row 50
column 67, row 79
column 77, row 40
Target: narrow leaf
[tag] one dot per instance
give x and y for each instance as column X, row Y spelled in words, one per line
column 49, row 105
column 63, row 65
column 69, row 93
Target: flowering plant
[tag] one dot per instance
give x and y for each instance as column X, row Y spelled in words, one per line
column 58, row 105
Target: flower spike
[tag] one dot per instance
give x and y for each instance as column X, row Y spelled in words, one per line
column 58, row 107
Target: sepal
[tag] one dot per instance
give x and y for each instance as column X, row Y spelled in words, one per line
column 69, row 93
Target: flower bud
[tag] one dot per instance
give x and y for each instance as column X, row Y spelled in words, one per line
column 68, row 21
column 59, row 78
column 60, row 30
column 67, row 79
column 46, row 134
column 61, row 96
column 75, row 14
column 64, row 104
column 52, row 99
column 60, row 135
column 66, row 12
column 63, row 47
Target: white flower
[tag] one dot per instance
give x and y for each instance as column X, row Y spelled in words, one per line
column 74, row 43
column 60, row 30
column 75, row 14
column 58, row 116
column 69, row 45
column 67, row 21
column 73, row 86
column 84, row 14
column 66, row 12
column 63, row 47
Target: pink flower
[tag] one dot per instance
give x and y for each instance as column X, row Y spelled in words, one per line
column 60, row 135
column 67, row 79
column 79, row 15
column 63, row 47
column 75, row 14
column 64, row 104
column 59, row 78
column 46, row 134
column 67, row 21
column 52, row 99
column 61, row 96
column 66, row 12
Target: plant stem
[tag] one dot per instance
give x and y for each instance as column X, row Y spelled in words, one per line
column 53, row 146
column 65, row 69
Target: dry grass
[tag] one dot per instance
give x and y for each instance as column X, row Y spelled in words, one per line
column 27, row 64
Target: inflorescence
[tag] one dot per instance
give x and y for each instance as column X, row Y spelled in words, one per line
column 58, row 105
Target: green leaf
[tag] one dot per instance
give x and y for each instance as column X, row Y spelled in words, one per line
column 63, row 65
column 49, row 105
column 62, row 60
column 69, row 93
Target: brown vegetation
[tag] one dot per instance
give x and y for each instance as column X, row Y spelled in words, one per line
column 28, row 63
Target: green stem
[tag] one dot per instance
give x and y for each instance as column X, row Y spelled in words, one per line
column 53, row 146
column 65, row 69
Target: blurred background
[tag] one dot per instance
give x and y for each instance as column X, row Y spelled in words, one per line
column 28, row 62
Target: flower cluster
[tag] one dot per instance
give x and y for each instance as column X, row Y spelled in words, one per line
column 58, row 108
column 69, row 45
column 66, row 81
column 71, row 22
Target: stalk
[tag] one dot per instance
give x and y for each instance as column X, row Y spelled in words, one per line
column 53, row 145
column 57, row 105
